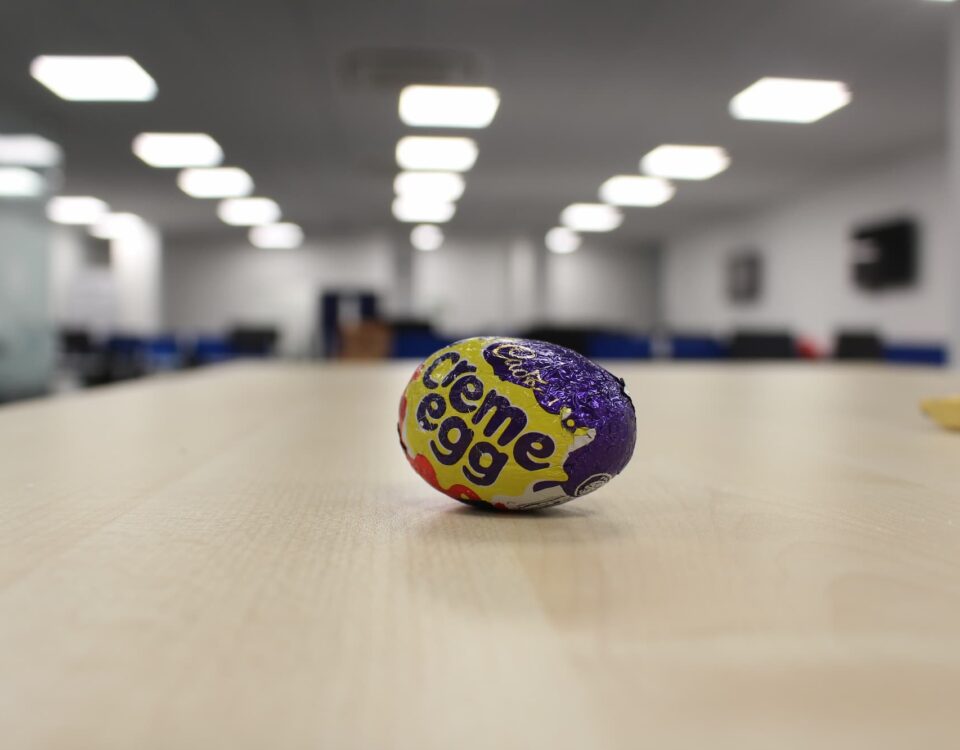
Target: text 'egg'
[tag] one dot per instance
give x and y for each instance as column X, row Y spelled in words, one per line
column 515, row 424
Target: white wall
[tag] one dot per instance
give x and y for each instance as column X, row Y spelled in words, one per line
column 464, row 288
column 124, row 296
column 136, row 260
column 470, row 288
column 805, row 247
column 601, row 286
column 210, row 288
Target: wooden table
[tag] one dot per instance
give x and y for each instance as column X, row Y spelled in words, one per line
column 241, row 558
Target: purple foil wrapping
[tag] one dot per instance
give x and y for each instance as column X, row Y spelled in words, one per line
column 595, row 398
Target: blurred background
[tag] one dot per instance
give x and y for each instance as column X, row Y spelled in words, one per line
column 184, row 183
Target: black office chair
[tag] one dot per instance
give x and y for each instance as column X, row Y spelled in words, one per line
column 762, row 345
column 84, row 357
column 858, row 346
column 75, row 341
column 253, row 341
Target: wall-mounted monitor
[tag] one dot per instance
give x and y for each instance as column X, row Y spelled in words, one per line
column 745, row 277
column 885, row 255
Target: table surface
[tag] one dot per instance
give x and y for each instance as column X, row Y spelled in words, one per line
column 242, row 558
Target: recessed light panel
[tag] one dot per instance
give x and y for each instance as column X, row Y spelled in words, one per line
column 177, row 150
column 685, row 162
column 248, row 212
column 591, row 217
column 562, row 241
column 94, row 79
column 450, row 154
column 115, row 226
column 789, row 100
column 215, row 182
column 284, row 236
column 80, row 210
column 426, row 237
column 448, row 106
column 435, row 186
column 29, row 151
column 634, row 190
column 422, row 212
column 20, row 182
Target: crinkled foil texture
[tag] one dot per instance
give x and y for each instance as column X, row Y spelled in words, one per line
column 595, row 398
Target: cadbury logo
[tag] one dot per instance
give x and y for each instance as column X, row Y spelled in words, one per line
column 514, row 358
column 452, row 383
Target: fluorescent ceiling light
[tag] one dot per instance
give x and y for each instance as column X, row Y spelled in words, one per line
column 20, row 182
column 562, row 241
column 789, row 100
column 285, row 236
column 417, row 211
column 80, row 209
column 248, row 212
column 632, row 190
column 177, row 149
column 436, row 152
column 433, row 186
column 448, row 106
column 685, row 162
column 426, row 237
column 115, row 226
column 216, row 182
column 29, row 151
column 591, row 217
column 94, row 79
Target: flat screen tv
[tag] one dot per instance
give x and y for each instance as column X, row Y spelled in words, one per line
column 885, row 255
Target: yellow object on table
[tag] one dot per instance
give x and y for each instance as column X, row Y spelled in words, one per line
column 944, row 411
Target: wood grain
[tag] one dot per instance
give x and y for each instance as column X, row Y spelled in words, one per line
column 241, row 558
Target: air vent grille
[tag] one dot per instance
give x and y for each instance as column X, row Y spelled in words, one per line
column 395, row 68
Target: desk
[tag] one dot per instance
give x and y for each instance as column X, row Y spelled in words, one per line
column 241, row 558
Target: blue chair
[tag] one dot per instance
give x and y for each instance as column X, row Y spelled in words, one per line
column 124, row 345
column 125, row 357
column 416, row 343
column 932, row 355
column 697, row 347
column 618, row 346
column 209, row 350
column 163, row 353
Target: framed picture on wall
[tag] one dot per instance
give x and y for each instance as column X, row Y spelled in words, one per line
column 745, row 277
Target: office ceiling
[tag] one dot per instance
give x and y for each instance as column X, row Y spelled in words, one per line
column 587, row 88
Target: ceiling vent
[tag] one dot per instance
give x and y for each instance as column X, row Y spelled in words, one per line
column 396, row 68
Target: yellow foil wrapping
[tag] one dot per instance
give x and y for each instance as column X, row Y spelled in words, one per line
column 944, row 411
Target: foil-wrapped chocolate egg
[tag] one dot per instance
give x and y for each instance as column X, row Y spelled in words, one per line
column 515, row 424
